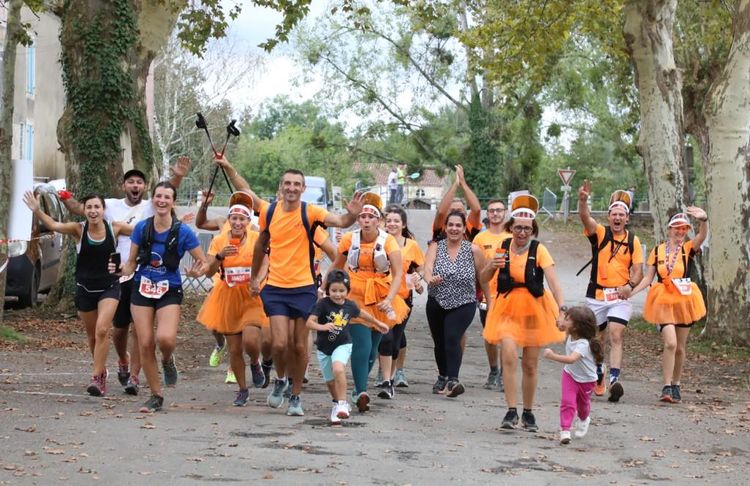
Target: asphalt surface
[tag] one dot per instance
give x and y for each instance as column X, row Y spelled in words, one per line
column 51, row 432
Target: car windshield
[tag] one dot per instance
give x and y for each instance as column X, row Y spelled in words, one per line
column 314, row 195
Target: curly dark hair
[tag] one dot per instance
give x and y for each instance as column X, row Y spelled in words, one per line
column 585, row 327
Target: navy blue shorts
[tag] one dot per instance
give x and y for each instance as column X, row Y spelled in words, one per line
column 172, row 297
column 86, row 300
column 293, row 303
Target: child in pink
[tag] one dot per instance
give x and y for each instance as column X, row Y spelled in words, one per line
column 582, row 352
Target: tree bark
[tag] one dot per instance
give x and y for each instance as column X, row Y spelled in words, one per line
column 12, row 39
column 728, row 189
column 648, row 40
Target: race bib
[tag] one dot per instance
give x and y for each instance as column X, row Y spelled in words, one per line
column 683, row 285
column 611, row 296
column 237, row 275
column 153, row 290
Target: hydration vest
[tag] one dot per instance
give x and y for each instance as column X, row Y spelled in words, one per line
column 379, row 257
column 533, row 276
column 171, row 258
column 595, row 249
column 687, row 262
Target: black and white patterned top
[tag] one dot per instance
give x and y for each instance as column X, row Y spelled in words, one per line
column 459, row 278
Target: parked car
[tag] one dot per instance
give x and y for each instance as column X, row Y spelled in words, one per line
column 34, row 264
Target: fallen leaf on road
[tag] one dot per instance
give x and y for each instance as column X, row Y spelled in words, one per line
column 148, row 425
column 646, row 438
column 31, row 428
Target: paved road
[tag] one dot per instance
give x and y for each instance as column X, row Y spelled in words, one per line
column 51, row 432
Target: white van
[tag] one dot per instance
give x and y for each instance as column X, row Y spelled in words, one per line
column 316, row 192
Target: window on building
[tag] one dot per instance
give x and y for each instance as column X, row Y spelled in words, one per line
column 31, row 70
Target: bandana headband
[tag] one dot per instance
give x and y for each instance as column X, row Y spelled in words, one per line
column 240, row 209
column 621, row 204
column 370, row 209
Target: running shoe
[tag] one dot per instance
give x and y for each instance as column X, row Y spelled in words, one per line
column 343, row 409
column 276, row 398
column 123, row 373
column 295, row 407
column 379, row 378
column 454, row 388
column 615, row 391
column 170, row 371
column 581, row 428
column 491, row 383
column 217, row 355
column 439, row 386
column 266, row 367
column 230, row 377
column 386, row 390
column 133, row 385
column 510, row 420
column 400, row 379
column 258, row 376
column 242, row 397
column 153, row 404
column 288, row 389
column 667, row 394
column 529, row 421
column 98, row 385
column 564, row 437
column 335, row 419
column 676, row 396
column 600, row 388
column 363, row 402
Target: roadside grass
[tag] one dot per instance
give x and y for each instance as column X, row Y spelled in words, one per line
column 9, row 334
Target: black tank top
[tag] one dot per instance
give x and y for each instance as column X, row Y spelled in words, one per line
column 93, row 260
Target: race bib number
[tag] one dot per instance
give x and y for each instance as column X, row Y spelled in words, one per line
column 153, row 290
column 683, row 285
column 611, row 296
column 237, row 275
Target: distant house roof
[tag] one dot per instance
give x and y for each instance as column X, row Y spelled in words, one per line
column 380, row 172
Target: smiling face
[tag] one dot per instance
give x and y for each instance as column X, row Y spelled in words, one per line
column 163, row 200
column 394, row 225
column 678, row 233
column 134, row 187
column 239, row 223
column 618, row 218
column 337, row 292
column 93, row 208
column 292, row 186
column 496, row 213
column 455, row 228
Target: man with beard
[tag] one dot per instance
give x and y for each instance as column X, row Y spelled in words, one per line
column 129, row 210
column 616, row 268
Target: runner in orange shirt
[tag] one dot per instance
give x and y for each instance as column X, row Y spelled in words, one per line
column 489, row 242
column 290, row 292
column 617, row 268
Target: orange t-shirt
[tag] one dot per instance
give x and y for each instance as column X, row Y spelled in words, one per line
column 410, row 253
column 618, row 268
column 366, row 250
column 243, row 259
column 679, row 267
column 488, row 242
column 289, row 259
column 518, row 263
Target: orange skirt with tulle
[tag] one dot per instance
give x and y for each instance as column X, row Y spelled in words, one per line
column 369, row 289
column 668, row 306
column 529, row 321
column 228, row 310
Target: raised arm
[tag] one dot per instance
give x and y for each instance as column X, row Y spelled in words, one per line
column 32, row 202
column 444, row 206
column 179, row 170
column 353, row 208
column 475, row 208
column 201, row 218
column 589, row 223
column 702, row 234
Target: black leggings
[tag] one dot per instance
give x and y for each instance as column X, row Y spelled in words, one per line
column 395, row 340
column 447, row 326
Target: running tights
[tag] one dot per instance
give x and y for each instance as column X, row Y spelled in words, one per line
column 447, row 326
column 365, row 343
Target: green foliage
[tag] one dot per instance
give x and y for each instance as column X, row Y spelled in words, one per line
column 101, row 93
column 10, row 335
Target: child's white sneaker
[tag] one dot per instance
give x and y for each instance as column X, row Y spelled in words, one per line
column 564, row 437
column 582, row 427
column 335, row 420
column 342, row 410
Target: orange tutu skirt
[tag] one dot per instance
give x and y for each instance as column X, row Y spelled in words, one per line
column 665, row 306
column 369, row 289
column 228, row 310
column 527, row 320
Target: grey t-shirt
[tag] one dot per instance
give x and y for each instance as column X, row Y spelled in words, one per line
column 583, row 370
